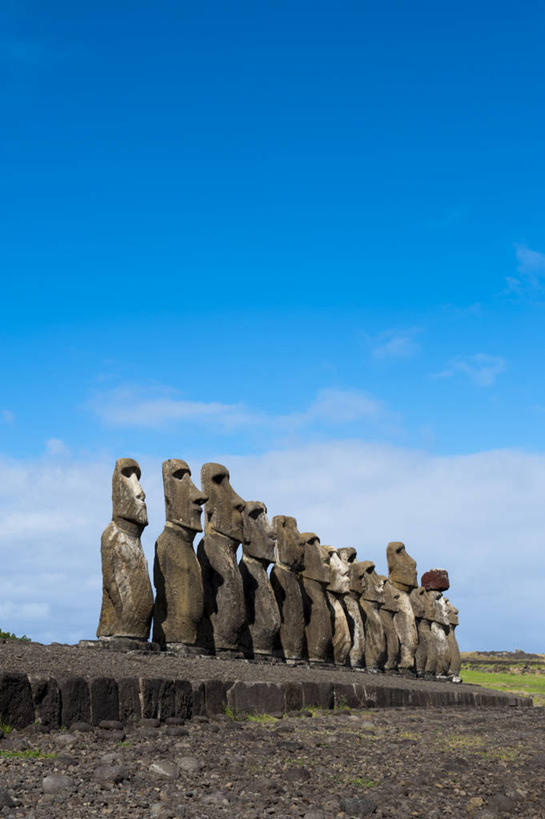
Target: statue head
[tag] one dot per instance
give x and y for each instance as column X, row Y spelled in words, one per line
column 418, row 602
column 441, row 614
column 373, row 585
column 339, row 573
column 391, row 595
column 309, row 537
column 129, row 500
column 290, row 551
column 183, row 501
column 401, row 567
column 347, row 553
column 316, row 562
column 429, row 599
column 223, row 509
column 452, row 613
column 357, row 576
column 258, row 534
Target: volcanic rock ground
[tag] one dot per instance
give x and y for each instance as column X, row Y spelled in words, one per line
column 396, row 762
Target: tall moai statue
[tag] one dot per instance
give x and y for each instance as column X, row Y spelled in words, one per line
column 388, row 610
column 402, row 574
column 286, row 584
column 176, row 571
column 371, row 600
column 354, row 616
column 337, row 588
column 224, row 610
column 127, row 596
column 455, row 660
column 262, row 614
column 421, row 608
column 436, row 581
column 318, row 614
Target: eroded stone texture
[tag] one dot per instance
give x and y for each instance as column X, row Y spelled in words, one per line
column 370, row 601
column 429, row 598
column 338, row 587
column 262, row 614
column 224, row 615
column 435, row 580
column 286, row 584
column 127, row 596
column 439, row 632
column 418, row 603
column 402, row 574
column 318, row 614
column 390, row 607
column 176, row 571
column 353, row 611
column 455, row 661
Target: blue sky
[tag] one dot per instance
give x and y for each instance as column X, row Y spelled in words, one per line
column 260, row 228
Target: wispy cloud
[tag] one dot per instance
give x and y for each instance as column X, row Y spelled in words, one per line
column 7, row 416
column 482, row 369
column 55, row 446
column 530, row 279
column 131, row 406
column 396, row 344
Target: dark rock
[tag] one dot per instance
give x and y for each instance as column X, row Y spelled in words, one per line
column 176, row 731
column 358, row 806
column 16, row 704
column 75, row 699
column 6, row 801
column 47, row 700
column 82, row 727
column 130, row 708
column 435, row 580
column 215, row 693
column 104, row 700
column 247, row 697
column 111, row 725
column 110, row 773
column 317, row 694
column 57, row 783
column 150, row 690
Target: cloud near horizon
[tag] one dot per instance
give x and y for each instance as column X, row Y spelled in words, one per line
column 480, row 515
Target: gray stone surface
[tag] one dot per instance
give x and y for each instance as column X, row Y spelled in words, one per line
column 455, row 661
column 370, row 601
column 127, row 596
column 286, row 584
column 318, row 613
column 16, row 704
column 177, row 573
column 390, row 607
column 338, row 587
column 224, row 608
column 402, row 574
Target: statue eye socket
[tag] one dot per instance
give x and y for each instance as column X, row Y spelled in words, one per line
column 129, row 471
column 218, row 478
column 178, row 474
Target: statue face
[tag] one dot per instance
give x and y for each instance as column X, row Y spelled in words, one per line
column 391, row 595
column 440, row 610
column 357, row 577
column 401, row 567
column 418, row 601
column 290, row 551
column 183, row 501
column 347, row 553
column 317, row 563
column 310, row 538
column 339, row 572
column 224, row 507
column 373, row 589
column 129, row 500
column 258, row 534
column 452, row 613
column 429, row 598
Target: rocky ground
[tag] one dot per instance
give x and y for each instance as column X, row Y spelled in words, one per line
column 386, row 763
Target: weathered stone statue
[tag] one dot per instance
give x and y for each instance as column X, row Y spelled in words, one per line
column 127, row 596
column 370, row 601
column 455, row 661
column 388, row 610
column 318, row 614
column 354, row 614
column 224, row 609
column 176, row 571
column 286, row 584
column 435, row 582
column 262, row 614
column 420, row 605
column 338, row 587
column 402, row 574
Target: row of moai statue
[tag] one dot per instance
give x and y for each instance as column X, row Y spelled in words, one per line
column 317, row 604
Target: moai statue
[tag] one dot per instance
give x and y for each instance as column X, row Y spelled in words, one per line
column 370, row 601
column 176, row 571
column 262, row 614
column 388, row 610
column 436, row 581
column 420, row 605
column 286, row 584
column 318, row 614
column 338, row 587
column 455, row 661
column 354, row 614
column 127, row 596
column 402, row 574
column 224, row 610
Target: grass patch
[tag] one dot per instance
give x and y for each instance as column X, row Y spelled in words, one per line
column 7, row 729
column 29, row 753
column 123, row 743
column 462, row 742
column 262, row 719
column 528, row 684
column 363, row 783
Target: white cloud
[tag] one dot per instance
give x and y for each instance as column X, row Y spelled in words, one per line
column 530, row 279
column 7, row 416
column 482, row 369
column 481, row 516
column 55, row 446
column 394, row 344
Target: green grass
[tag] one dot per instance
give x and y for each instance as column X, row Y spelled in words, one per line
column 532, row 685
column 262, row 719
column 29, row 753
column 5, row 728
column 363, row 783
